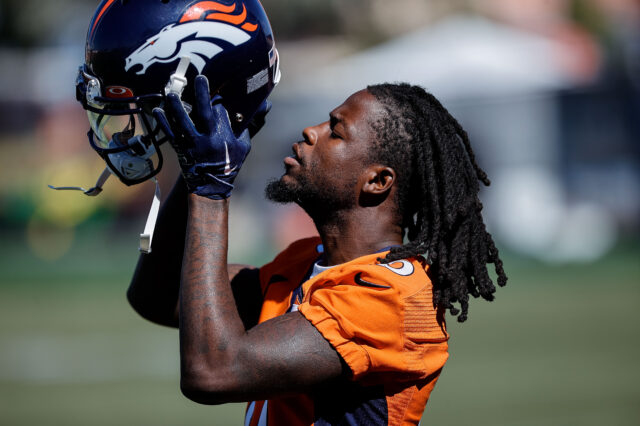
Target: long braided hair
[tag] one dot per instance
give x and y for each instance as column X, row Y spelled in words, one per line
column 437, row 198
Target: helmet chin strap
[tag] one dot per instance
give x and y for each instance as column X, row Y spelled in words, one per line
column 147, row 235
column 91, row 192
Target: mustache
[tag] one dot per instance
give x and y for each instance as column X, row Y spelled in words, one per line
column 296, row 152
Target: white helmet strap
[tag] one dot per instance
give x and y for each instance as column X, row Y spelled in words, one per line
column 147, row 235
column 152, row 217
column 178, row 81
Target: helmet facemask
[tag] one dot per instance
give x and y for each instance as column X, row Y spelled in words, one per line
column 125, row 134
column 123, row 130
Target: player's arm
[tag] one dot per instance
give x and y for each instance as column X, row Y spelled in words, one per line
column 153, row 292
column 221, row 359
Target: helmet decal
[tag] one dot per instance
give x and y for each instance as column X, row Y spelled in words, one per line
column 400, row 267
column 118, row 92
column 192, row 35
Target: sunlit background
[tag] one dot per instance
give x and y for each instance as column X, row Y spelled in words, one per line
column 549, row 92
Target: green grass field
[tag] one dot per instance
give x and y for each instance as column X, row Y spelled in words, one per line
column 559, row 346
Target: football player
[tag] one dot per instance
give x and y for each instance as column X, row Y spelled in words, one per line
column 346, row 328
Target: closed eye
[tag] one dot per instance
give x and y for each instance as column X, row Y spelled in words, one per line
column 333, row 122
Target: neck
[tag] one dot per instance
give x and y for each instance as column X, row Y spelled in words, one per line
column 349, row 234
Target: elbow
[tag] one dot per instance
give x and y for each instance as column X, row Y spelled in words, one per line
column 210, row 387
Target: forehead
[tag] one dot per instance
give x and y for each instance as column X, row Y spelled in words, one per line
column 358, row 111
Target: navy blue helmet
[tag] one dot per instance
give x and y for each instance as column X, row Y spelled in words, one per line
column 137, row 51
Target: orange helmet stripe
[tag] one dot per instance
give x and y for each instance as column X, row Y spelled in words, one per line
column 196, row 11
column 102, row 11
column 232, row 19
column 248, row 26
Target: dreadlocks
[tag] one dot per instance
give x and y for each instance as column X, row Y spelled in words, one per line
column 438, row 196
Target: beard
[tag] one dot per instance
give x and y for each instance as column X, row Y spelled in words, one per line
column 282, row 193
column 316, row 200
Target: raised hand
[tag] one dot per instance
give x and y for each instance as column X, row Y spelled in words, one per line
column 209, row 153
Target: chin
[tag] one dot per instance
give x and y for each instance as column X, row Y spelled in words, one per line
column 281, row 190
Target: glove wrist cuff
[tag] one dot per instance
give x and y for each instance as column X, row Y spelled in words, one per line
column 204, row 180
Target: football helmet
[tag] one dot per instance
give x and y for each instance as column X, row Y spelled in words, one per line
column 138, row 51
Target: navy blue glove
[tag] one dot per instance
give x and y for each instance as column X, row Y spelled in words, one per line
column 210, row 155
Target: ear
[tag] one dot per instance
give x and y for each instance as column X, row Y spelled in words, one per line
column 378, row 179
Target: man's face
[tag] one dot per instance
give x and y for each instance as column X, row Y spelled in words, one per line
column 326, row 166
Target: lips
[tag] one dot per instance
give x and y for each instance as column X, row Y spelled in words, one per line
column 293, row 160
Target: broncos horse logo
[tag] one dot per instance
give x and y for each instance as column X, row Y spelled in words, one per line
column 192, row 35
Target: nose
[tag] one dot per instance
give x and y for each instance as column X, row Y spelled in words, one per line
column 310, row 135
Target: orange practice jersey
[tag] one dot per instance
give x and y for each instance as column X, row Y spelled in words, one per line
column 381, row 320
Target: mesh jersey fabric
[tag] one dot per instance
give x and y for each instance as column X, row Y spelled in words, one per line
column 380, row 319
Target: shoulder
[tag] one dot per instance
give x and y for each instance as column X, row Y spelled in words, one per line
column 387, row 294
column 292, row 263
column 303, row 248
column 380, row 317
column 398, row 293
column 402, row 277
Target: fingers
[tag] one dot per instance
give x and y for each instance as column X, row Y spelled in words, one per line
column 203, row 115
column 177, row 112
column 209, row 114
column 219, row 113
column 161, row 119
column 217, row 99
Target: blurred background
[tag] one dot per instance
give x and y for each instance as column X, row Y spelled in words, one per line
column 549, row 92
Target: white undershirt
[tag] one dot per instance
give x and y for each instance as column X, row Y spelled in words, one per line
column 317, row 268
